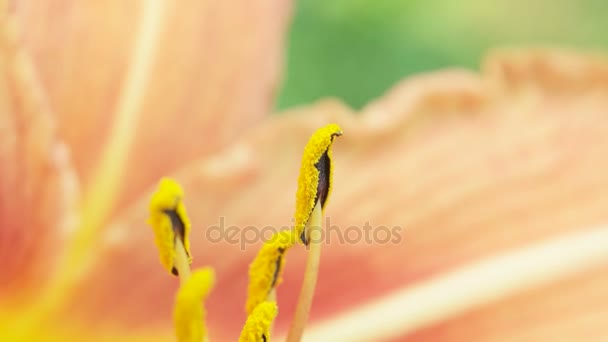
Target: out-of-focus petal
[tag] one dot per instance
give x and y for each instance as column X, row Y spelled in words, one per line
column 477, row 284
column 215, row 73
column 447, row 168
column 38, row 185
column 565, row 311
column 68, row 332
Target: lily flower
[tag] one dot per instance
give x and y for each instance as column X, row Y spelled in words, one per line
column 486, row 192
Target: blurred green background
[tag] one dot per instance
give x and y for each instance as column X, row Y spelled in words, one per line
column 357, row 49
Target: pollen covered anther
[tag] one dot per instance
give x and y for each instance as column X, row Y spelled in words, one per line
column 315, row 180
column 189, row 312
column 169, row 220
column 266, row 269
column 314, row 188
column 259, row 322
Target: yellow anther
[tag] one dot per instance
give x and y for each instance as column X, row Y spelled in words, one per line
column 189, row 313
column 170, row 222
column 257, row 327
column 266, row 269
column 314, row 183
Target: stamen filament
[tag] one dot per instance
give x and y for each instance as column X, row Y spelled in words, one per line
column 181, row 262
column 307, row 292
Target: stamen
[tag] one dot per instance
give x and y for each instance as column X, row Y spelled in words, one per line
column 171, row 226
column 314, row 183
column 310, row 277
column 257, row 327
column 266, row 269
column 189, row 313
column 314, row 188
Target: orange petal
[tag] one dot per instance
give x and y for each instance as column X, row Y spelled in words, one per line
column 214, row 74
column 563, row 311
column 457, row 167
column 477, row 284
column 38, row 186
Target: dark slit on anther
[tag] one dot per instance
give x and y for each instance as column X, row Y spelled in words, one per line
column 277, row 268
column 178, row 228
column 323, row 166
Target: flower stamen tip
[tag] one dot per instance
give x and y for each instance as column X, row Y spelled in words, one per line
column 316, row 174
column 259, row 322
column 266, row 269
column 189, row 313
column 170, row 223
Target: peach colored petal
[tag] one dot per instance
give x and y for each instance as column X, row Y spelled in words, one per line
column 565, row 311
column 215, row 74
column 469, row 287
column 466, row 166
column 38, row 185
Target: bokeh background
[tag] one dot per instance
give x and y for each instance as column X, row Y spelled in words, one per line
column 356, row 49
column 100, row 99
